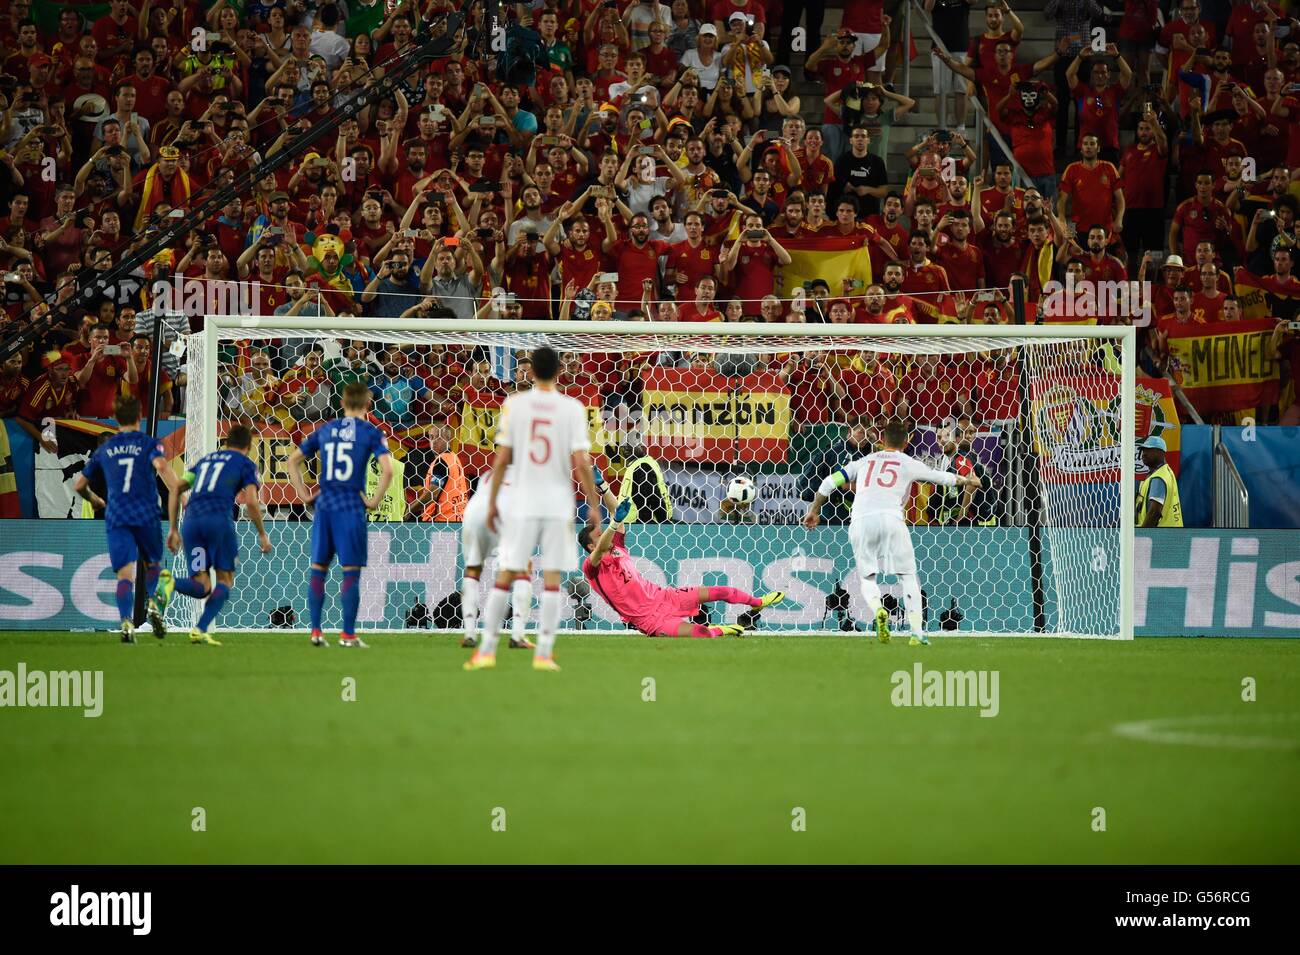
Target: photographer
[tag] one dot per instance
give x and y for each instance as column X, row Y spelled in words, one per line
column 100, row 375
column 394, row 288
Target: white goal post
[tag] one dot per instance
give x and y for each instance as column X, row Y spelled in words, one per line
column 1050, row 554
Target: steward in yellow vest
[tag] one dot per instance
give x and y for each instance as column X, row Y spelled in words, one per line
column 1157, row 496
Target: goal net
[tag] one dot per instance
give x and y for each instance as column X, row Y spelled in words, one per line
column 1043, row 414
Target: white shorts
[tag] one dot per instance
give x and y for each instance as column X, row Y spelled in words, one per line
column 882, row 545
column 945, row 80
column 866, row 43
column 552, row 536
column 476, row 541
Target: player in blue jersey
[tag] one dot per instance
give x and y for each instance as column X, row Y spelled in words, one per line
column 217, row 483
column 127, row 462
column 339, row 528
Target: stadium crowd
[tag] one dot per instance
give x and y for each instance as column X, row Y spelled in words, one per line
column 634, row 160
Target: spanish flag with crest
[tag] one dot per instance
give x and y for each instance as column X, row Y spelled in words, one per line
column 824, row 256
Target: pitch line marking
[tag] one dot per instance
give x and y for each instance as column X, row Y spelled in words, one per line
column 1176, row 731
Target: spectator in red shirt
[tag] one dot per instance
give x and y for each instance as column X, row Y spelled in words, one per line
column 52, row 394
column 923, row 277
column 703, row 308
column 1099, row 101
column 100, row 375
column 1242, row 21
column 636, row 258
column 1142, row 178
column 836, row 65
column 692, row 259
column 1001, row 250
column 1091, row 186
column 751, row 263
column 961, row 260
column 1098, row 265
column 1028, row 109
column 115, row 33
column 1202, row 218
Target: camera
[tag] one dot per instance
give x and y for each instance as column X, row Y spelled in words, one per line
column 753, row 234
column 484, row 233
column 113, row 350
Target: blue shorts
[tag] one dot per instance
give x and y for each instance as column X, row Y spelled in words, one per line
column 341, row 533
column 127, row 543
column 210, row 542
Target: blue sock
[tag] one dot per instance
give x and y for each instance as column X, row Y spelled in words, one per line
column 151, row 572
column 126, row 599
column 351, row 595
column 212, row 606
column 191, row 588
column 316, row 596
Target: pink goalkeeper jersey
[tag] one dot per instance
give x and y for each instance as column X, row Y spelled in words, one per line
column 616, row 579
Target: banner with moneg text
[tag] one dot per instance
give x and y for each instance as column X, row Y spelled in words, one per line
column 1225, row 366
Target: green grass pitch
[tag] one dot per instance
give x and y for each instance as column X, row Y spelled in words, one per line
column 741, row 733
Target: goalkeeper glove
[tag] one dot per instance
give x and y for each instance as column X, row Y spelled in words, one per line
column 621, row 511
column 599, row 479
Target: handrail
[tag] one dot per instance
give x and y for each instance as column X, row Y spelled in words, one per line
column 1186, row 402
column 1231, row 498
column 983, row 123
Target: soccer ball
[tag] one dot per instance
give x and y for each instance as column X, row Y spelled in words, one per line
column 741, row 490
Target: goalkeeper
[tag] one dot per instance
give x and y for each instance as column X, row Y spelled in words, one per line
column 655, row 611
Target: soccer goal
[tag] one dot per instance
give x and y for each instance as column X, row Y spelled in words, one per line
column 1045, row 415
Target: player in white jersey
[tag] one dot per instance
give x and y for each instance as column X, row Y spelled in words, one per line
column 542, row 437
column 881, row 543
column 476, row 543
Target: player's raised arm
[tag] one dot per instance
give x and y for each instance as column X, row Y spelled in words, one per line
column 931, row 476
column 833, row 481
column 582, row 464
column 616, row 527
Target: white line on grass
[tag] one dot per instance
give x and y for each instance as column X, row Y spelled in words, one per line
column 1176, row 731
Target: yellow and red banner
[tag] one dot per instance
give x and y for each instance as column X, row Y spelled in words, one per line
column 1263, row 297
column 1225, row 366
column 824, row 256
column 481, row 410
column 1077, row 421
column 694, row 416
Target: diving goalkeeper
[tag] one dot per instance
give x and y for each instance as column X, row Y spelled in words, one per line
column 655, row 611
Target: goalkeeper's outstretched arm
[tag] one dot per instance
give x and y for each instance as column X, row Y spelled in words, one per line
column 617, row 512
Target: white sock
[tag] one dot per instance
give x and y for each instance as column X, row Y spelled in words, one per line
column 521, row 605
column 912, row 602
column 871, row 594
column 469, row 606
column 549, row 622
column 493, row 614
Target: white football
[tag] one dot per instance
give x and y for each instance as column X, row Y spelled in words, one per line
column 741, row 490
